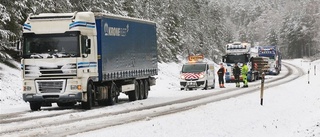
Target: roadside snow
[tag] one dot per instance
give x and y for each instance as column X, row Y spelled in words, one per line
column 10, row 88
column 291, row 110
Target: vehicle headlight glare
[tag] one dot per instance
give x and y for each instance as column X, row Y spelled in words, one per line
column 76, row 87
column 201, row 76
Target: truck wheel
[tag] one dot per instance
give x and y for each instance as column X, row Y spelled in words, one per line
column 134, row 95
column 141, row 89
column 35, row 106
column 146, row 89
column 88, row 105
column 112, row 95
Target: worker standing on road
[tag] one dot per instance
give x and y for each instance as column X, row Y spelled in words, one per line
column 244, row 72
column 221, row 73
column 236, row 73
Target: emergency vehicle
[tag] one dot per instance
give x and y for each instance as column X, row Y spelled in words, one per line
column 197, row 74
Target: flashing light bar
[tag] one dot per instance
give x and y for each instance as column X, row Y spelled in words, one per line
column 236, row 46
column 195, row 58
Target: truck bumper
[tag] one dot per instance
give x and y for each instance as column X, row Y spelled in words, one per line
column 30, row 97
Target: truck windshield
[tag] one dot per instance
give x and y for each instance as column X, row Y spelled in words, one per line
column 190, row 68
column 270, row 56
column 51, row 46
column 236, row 58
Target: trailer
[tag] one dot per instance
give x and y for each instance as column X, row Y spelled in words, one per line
column 88, row 58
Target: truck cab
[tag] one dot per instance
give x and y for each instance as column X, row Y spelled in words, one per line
column 239, row 52
column 197, row 74
column 274, row 58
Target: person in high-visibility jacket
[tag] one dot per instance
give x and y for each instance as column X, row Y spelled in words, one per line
column 244, row 72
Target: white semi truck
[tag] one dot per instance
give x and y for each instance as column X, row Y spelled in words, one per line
column 88, row 58
column 240, row 53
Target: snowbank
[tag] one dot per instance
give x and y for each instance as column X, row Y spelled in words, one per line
column 10, row 86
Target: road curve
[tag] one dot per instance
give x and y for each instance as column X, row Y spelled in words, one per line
column 51, row 125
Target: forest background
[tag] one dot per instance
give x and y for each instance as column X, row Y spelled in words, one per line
column 190, row 26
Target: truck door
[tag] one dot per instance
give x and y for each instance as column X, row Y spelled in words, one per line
column 209, row 74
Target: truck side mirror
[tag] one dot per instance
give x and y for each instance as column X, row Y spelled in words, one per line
column 18, row 46
column 88, row 43
column 223, row 58
column 88, row 51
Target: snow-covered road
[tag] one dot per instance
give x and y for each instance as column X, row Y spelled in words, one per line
column 292, row 109
column 167, row 89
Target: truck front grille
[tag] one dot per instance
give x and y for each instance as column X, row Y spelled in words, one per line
column 50, row 86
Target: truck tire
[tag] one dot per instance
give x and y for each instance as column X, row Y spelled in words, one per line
column 146, row 89
column 88, row 105
column 112, row 95
column 277, row 72
column 141, row 89
column 35, row 106
column 134, row 95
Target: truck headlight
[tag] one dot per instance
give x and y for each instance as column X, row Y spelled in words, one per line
column 76, row 87
column 26, row 88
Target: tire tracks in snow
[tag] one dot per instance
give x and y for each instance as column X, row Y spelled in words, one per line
column 76, row 125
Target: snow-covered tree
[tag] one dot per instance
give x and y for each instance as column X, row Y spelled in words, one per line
column 193, row 26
